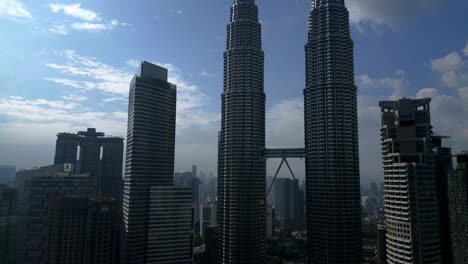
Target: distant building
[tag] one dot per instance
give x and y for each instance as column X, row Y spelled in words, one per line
column 81, row 230
column 458, row 208
column 270, row 224
column 34, row 188
column 411, row 206
column 95, row 153
column 8, row 224
column 374, row 189
column 183, row 179
column 271, row 195
column 7, row 174
column 442, row 169
column 209, row 216
column 186, row 179
column 289, row 203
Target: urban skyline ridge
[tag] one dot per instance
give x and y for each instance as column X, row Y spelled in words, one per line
column 100, row 104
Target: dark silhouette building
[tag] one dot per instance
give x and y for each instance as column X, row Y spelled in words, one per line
column 382, row 243
column 157, row 216
column 331, row 138
column 442, row 169
column 7, row 174
column 458, row 207
column 34, row 188
column 81, row 229
column 95, row 153
column 8, row 224
column 241, row 168
column 289, row 203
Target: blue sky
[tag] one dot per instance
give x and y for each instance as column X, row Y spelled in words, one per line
column 66, row 65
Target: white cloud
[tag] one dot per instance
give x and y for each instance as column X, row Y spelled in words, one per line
column 386, row 13
column 285, row 124
column 133, row 63
column 451, row 62
column 88, row 20
column 453, row 69
column 59, row 29
column 96, row 27
column 397, row 84
column 14, row 10
column 113, row 99
column 76, row 11
column 74, row 97
column 207, row 74
column 90, row 74
column 465, row 50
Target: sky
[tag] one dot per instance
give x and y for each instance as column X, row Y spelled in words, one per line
column 66, row 65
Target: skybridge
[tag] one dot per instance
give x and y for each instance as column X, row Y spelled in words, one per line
column 284, row 154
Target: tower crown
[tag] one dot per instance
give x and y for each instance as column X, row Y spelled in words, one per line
column 319, row 3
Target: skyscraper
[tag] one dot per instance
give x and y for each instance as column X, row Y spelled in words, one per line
column 81, row 229
column 331, row 138
column 411, row 210
column 94, row 153
column 8, row 223
column 34, row 188
column 458, row 208
column 241, row 168
column 442, row 169
column 289, row 203
column 7, row 174
column 153, row 208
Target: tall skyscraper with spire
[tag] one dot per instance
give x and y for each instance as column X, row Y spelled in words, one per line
column 242, row 170
column 331, row 138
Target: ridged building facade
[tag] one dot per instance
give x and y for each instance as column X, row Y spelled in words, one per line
column 149, row 157
column 331, row 138
column 242, row 169
column 411, row 204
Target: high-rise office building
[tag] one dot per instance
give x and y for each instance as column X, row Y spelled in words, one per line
column 289, row 203
column 7, row 174
column 458, row 209
column 186, row 179
column 8, row 223
column 95, row 153
column 442, row 169
column 34, row 188
column 81, row 229
column 331, row 138
column 382, row 243
column 153, row 208
column 170, row 227
column 209, row 216
column 241, row 168
column 66, row 229
column 411, row 210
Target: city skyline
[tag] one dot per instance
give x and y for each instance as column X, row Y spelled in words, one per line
column 103, row 106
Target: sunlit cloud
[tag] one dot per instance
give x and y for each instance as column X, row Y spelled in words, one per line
column 14, row 10
column 88, row 20
column 75, row 11
column 59, row 29
column 207, row 74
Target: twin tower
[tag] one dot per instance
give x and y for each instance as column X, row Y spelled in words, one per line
column 331, row 140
